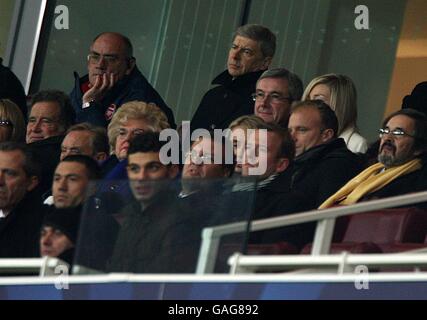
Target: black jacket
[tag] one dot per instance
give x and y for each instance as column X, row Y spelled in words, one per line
column 11, row 88
column 323, row 170
column 277, row 199
column 226, row 102
column 132, row 87
column 20, row 230
column 47, row 153
column 154, row 240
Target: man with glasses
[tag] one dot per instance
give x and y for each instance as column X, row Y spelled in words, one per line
column 250, row 55
column 400, row 168
column 206, row 160
column 276, row 89
column 113, row 79
column 323, row 163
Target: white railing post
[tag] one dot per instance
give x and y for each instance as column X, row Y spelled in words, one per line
column 323, row 237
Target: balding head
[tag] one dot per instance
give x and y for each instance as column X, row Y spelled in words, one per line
column 110, row 52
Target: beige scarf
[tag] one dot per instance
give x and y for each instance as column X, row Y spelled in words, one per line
column 369, row 181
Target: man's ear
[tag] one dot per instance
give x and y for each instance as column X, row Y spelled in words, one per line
column 34, row 181
column 327, row 135
column 173, row 171
column 266, row 63
column 282, row 164
column 131, row 65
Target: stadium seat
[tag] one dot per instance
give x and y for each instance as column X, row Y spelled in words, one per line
column 388, row 230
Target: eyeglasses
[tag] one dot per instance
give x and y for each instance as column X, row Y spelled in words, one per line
column 108, row 58
column 5, row 123
column 123, row 132
column 199, row 160
column 274, row 97
column 396, row 132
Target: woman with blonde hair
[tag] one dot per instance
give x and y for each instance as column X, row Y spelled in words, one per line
column 12, row 123
column 339, row 92
column 131, row 119
column 238, row 127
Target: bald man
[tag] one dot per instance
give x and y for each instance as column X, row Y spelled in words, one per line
column 113, row 79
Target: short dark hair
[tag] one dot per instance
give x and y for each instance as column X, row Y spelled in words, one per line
column 67, row 114
column 294, row 81
column 261, row 34
column 328, row 118
column 92, row 168
column 147, row 142
column 126, row 42
column 30, row 166
column 420, row 121
column 99, row 138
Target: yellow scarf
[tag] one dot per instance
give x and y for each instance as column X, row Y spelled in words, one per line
column 369, row 181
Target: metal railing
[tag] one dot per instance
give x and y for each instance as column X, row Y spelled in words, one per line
column 323, row 236
column 45, row 266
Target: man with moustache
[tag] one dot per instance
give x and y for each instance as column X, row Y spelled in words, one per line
column 401, row 162
column 113, row 79
column 250, row 55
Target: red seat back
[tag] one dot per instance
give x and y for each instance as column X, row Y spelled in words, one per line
column 388, row 226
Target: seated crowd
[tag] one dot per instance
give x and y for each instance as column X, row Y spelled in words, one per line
column 92, row 155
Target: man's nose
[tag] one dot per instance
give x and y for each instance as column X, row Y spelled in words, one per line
column 37, row 126
column 64, row 154
column 235, row 54
column 62, row 184
column 46, row 239
column 141, row 175
column 102, row 63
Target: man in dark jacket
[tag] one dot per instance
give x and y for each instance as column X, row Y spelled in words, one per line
column 250, row 54
column 113, row 79
column 20, row 208
column 147, row 241
column 323, row 163
column 274, row 196
column 73, row 188
column 11, row 88
column 401, row 162
column 51, row 113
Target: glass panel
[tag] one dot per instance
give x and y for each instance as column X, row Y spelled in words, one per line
column 6, row 13
column 316, row 37
column 157, row 228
